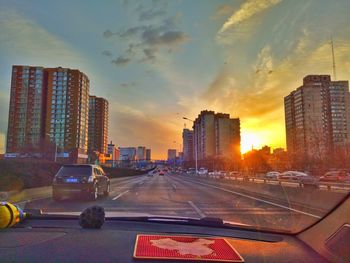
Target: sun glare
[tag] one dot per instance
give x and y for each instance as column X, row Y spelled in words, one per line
column 249, row 141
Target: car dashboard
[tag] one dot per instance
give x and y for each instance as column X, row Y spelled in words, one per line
column 63, row 240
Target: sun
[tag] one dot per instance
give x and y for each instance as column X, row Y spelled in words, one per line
column 250, row 140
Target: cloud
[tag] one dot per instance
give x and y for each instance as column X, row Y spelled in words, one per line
column 150, row 14
column 222, row 10
column 132, row 31
column 108, row 33
column 247, row 10
column 107, row 53
column 154, row 37
column 128, row 85
column 150, row 54
column 121, row 61
column 151, row 42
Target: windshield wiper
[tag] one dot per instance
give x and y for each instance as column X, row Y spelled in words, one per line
column 204, row 221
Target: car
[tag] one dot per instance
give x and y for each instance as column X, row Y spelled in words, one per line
column 299, row 177
column 86, row 180
column 336, row 176
column 161, row 173
column 273, row 175
column 234, row 174
column 221, row 174
column 202, row 171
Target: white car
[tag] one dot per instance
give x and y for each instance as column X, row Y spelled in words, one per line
column 273, row 175
column 202, row 171
column 234, row 174
column 299, row 177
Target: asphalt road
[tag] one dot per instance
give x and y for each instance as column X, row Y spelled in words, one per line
column 184, row 196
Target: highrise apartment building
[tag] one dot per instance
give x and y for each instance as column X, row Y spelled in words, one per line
column 148, row 155
column 68, row 111
column 171, row 154
column 188, row 145
column 216, row 135
column 204, row 135
column 317, row 117
column 48, row 104
column 98, row 125
column 127, row 153
column 141, row 153
column 26, row 109
column 227, row 137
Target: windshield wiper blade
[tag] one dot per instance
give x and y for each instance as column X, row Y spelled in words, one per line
column 205, row 221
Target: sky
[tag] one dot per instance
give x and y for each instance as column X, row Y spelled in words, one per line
column 156, row 61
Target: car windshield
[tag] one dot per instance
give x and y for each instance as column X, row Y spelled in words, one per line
column 230, row 109
column 78, row 170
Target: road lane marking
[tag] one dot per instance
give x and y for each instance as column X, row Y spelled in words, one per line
column 120, row 195
column 199, row 212
column 257, row 199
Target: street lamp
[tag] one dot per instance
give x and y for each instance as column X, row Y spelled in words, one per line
column 48, row 134
column 195, row 145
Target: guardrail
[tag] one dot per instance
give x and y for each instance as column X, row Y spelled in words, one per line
column 283, row 182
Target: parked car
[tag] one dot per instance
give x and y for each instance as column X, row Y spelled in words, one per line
column 85, row 180
column 336, row 176
column 273, row 175
column 221, row 174
column 202, row 171
column 234, row 174
column 299, row 177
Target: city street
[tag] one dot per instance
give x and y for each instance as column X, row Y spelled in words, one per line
column 184, row 196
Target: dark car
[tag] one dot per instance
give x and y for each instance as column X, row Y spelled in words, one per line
column 336, row 176
column 85, row 180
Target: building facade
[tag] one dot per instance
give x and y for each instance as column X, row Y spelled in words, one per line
column 317, row 117
column 141, row 153
column 98, row 125
column 26, row 122
column 204, row 135
column 188, row 145
column 148, row 155
column 227, row 137
column 67, row 111
column 127, row 153
column 216, row 135
column 171, row 154
column 48, row 106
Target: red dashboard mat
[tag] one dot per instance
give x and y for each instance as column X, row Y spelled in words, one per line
column 185, row 248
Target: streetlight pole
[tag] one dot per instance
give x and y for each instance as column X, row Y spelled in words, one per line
column 195, row 144
column 55, row 146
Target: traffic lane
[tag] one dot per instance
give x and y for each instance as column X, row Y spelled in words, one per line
column 78, row 203
column 171, row 196
column 214, row 202
column 308, row 199
column 155, row 196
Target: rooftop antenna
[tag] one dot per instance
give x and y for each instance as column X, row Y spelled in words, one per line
column 334, row 69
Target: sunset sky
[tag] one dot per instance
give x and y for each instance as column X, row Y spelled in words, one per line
column 156, row 61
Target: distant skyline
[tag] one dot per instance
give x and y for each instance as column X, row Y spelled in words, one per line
column 157, row 61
